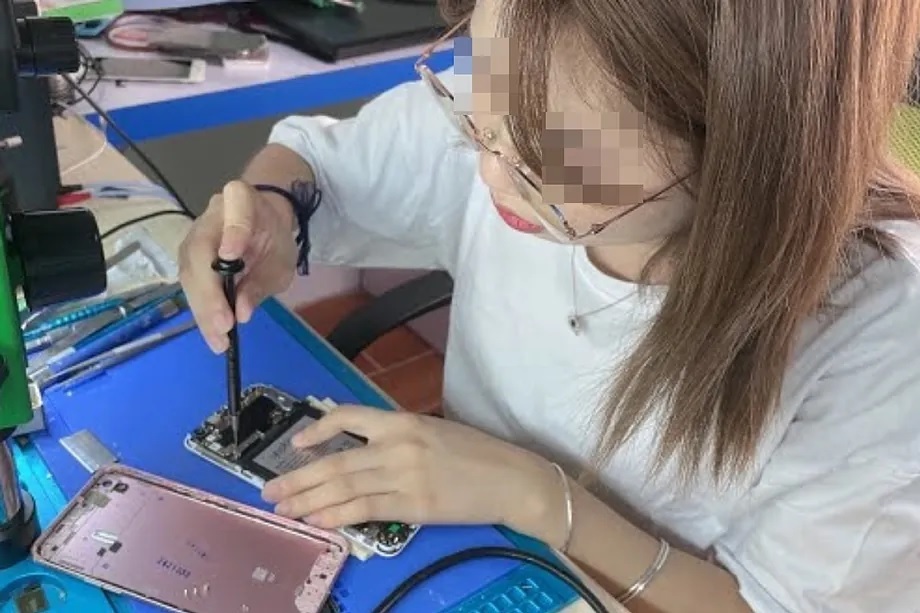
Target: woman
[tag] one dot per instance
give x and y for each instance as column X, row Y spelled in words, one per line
column 683, row 271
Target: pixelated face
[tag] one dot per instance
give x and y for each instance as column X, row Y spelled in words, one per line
column 593, row 157
column 485, row 66
column 595, row 165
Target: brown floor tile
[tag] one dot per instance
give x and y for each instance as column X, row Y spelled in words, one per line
column 366, row 366
column 396, row 347
column 416, row 384
column 434, row 409
column 324, row 315
column 391, row 357
column 392, row 349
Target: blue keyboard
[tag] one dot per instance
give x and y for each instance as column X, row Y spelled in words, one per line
column 520, row 591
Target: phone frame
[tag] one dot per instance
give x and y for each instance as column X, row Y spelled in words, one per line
column 288, row 401
column 325, row 571
column 282, row 398
column 196, row 74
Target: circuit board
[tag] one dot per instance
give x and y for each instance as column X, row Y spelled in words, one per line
column 268, row 420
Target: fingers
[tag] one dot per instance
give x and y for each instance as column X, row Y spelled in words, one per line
column 226, row 229
column 250, row 294
column 366, row 422
column 320, row 471
column 239, row 220
column 341, row 490
column 349, row 486
column 201, row 286
column 377, row 507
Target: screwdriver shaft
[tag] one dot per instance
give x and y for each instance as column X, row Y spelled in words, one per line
column 234, row 386
column 228, row 271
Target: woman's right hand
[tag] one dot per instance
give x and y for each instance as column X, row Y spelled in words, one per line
column 242, row 223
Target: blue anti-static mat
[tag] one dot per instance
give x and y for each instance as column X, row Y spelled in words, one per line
column 142, row 410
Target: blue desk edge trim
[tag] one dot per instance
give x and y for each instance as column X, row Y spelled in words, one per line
column 204, row 111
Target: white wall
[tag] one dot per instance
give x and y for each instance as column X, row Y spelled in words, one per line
column 323, row 282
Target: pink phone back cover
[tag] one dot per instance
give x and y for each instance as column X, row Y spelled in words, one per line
column 131, row 532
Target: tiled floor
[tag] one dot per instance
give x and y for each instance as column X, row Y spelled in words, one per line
column 401, row 363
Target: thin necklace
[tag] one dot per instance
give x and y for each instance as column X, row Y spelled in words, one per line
column 576, row 320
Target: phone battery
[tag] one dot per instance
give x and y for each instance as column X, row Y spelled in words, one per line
column 88, row 450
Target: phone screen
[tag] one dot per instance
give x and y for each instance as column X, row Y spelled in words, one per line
column 143, row 68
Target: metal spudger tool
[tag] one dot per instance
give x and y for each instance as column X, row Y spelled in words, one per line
column 228, row 269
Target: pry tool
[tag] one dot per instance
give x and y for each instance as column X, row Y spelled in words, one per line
column 228, row 269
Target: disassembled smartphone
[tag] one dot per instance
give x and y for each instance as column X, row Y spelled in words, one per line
column 189, row 551
column 268, row 420
column 153, row 70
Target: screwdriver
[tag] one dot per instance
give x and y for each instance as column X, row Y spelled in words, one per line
column 228, row 269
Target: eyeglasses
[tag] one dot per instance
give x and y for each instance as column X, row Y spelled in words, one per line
column 526, row 181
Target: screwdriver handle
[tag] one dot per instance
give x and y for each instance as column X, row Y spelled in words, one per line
column 228, row 269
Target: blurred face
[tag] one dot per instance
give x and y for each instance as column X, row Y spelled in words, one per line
column 598, row 170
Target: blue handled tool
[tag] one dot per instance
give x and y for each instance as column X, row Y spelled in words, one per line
column 55, row 318
column 61, row 317
column 117, row 334
column 86, row 331
column 46, row 340
column 78, row 334
column 101, row 363
column 72, row 317
column 117, row 352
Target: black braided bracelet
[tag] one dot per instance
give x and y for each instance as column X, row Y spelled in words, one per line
column 305, row 199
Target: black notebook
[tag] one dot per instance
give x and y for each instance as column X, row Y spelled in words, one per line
column 340, row 33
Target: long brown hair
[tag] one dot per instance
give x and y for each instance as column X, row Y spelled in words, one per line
column 786, row 107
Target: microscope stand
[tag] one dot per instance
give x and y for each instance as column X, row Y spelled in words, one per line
column 18, row 521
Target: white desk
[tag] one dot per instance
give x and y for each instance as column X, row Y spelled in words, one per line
column 285, row 63
column 292, row 81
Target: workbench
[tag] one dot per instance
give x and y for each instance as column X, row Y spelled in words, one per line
column 141, row 408
column 290, row 83
column 227, row 115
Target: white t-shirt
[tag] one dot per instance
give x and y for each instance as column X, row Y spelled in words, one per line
column 830, row 521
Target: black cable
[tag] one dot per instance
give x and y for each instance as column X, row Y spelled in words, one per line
column 143, row 156
column 136, row 220
column 88, row 64
column 477, row 553
column 86, row 60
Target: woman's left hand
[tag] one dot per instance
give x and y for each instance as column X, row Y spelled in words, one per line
column 416, row 469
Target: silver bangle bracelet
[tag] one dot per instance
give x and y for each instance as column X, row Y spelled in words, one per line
column 649, row 575
column 569, row 512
